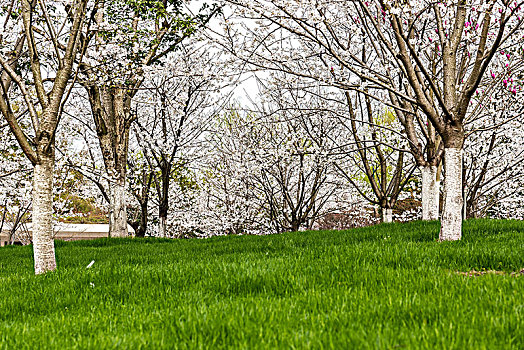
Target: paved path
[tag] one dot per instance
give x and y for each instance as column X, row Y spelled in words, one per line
column 66, row 232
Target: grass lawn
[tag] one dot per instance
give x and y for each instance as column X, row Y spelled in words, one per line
column 389, row 286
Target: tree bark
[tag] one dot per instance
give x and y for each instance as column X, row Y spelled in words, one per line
column 295, row 225
column 143, row 198
column 451, row 222
column 42, row 215
column 430, row 192
column 117, row 209
column 142, row 228
column 162, row 226
column 163, row 195
column 387, row 215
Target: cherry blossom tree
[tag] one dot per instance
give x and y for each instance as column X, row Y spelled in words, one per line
column 295, row 175
column 269, row 169
column 130, row 36
column 493, row 159
column 380, row 155
column 424, row 57
column 229, row 200
column 50, row 32
column 174, row 108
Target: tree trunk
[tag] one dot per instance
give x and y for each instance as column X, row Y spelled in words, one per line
column 142, row 228
column 162, row 226
column 430, row 193
column 163, row 196
column 117, row 209
column 111, row 109
column 451, row 222
column 295, row 224
column 42, row 215
column 387, row 215
column 472, row 209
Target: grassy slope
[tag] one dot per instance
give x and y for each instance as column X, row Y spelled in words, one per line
column 297, row 290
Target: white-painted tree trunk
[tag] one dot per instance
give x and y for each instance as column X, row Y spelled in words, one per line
column 118, row 210
column 162, row 227
column 387, row 215
column 430, row 193
column 451, row 221
column 42, row 216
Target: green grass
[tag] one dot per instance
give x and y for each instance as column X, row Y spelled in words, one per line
column 385, row 287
